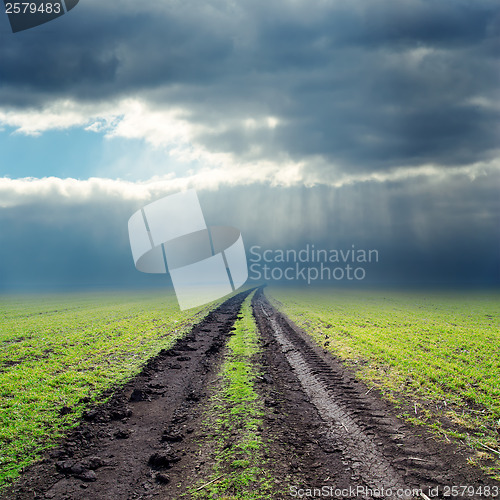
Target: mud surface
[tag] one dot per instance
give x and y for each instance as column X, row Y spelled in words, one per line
column 322, row 427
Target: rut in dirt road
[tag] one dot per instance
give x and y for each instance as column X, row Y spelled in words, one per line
column 374, row 469
column 122, row 449
column 386, row 453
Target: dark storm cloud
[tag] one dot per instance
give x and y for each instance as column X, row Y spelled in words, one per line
column 443, row 233
column 86, row 246
column 366, row 85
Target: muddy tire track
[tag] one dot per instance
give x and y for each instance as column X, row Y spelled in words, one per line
column 374, row 469
column 382, row 451
column 126, row 448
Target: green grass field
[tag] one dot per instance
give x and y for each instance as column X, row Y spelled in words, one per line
column 435, row 353
column 65, row 351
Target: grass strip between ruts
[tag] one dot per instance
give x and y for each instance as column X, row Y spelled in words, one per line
column 234, row 421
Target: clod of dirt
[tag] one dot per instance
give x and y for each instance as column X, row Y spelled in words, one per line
column 80, row 470
column 162, row 478
column 179, row 418
column 183, row 358
column 89, row 415
column 170, row 354
column 156, row 386
column 163, row 458
column 88, row 476
column 122, row 434
column 120, row 414
column 94, row 463
column 187, row 348
column 138, row 395
column 193, row 396
column 65, row 410
column 65, row 466
column 172, row 436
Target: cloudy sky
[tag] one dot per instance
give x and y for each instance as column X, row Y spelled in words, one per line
column 333, row 123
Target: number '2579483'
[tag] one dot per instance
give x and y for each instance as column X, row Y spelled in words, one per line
column 26, row 15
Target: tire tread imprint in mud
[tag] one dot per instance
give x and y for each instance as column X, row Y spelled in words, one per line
column 385, row 451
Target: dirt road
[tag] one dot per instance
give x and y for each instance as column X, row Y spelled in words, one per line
column 321, row 426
